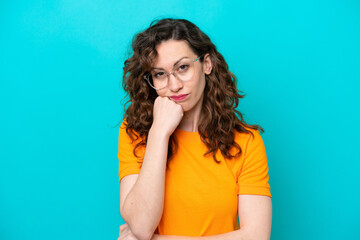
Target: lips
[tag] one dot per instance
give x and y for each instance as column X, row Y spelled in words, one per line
column 179, row 97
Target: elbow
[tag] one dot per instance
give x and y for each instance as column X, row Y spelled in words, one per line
column 254, row 234
column 141, row 231
column 140, row 234
column 138, row 230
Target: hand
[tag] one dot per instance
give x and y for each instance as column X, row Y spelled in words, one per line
column 125, row 233
column 167, row 115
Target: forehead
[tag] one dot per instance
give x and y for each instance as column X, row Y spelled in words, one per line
column 170, row 51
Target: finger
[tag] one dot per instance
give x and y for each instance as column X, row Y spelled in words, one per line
column 123, row 227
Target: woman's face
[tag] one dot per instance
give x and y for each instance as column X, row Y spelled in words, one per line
column 189, row 94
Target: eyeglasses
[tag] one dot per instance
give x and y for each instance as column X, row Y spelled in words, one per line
column 183, row 71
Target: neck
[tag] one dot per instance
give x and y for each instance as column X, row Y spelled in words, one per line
column 191, row 118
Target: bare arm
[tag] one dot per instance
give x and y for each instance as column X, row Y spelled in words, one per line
column 142, row 207
column 142, row 195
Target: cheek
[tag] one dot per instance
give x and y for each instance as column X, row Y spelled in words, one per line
column 161, row 93
column 200, row 86
column 197, row 91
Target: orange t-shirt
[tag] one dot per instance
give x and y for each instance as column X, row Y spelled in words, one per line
column 201, row 196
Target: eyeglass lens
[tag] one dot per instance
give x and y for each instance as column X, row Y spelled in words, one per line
column 183, row 71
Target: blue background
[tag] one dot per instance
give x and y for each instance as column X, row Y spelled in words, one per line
column 60, row 70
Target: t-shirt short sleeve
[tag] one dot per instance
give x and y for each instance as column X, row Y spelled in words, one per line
column 253, row 177
column 128, row 162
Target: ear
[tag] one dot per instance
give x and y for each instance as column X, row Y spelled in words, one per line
column 207, row 64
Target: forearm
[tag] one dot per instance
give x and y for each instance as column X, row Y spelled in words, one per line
column 234, row 235
column 143, row 206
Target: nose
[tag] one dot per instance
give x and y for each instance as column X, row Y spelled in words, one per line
column 174, row 84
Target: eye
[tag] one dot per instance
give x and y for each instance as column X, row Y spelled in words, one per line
column 158, row 74
column 183, row 68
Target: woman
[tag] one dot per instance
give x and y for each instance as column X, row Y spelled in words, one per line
column 189, row 165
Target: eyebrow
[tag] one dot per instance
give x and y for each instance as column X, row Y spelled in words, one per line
column 173, row 65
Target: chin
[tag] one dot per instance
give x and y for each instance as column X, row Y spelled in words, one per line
column 185, row 107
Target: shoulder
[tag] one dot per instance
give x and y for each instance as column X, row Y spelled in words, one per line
column 127, row 135
column 244, row 139
column 130, row 143
column 252, row 174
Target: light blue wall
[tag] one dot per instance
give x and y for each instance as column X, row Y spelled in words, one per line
column 60, row 68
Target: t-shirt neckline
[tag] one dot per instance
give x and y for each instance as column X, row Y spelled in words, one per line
column 179, row 131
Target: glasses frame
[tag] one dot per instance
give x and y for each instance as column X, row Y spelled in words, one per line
column 173, row 72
